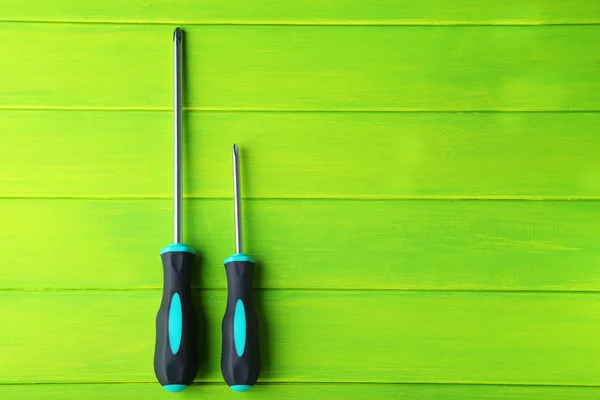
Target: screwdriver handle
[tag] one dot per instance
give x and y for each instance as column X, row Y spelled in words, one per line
column 240, row 357
column 176, row 351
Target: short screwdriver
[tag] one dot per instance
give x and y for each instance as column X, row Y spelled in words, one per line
column 176, row 351
column 240, row 358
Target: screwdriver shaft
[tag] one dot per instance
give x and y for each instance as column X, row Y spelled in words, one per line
column 237, row 205
column 177, row 185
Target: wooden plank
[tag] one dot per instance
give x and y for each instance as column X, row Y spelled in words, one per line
column 431, row 12
column 295, row 391
column 439, row 245
column 316, row 336
column 356, row 155
column 303, row 68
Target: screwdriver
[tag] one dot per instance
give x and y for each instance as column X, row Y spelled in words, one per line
column 240, row 358
column 176, row 351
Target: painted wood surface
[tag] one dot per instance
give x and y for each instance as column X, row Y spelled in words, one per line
column 303, row 391
column 290, row 12
column 303, row 68
column 326, row 244
column 299, row 155
column 318, row 336
column 421, row 186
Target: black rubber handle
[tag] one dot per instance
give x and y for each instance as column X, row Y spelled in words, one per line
column 240, row 357
column 176, row 351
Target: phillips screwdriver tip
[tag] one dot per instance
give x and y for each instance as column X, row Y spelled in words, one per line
column 177, row 34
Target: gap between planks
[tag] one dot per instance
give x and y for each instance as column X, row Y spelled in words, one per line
column 307, row 197
column 279, row 289
column 316, row 383
column 294, row 110
column 374, row 23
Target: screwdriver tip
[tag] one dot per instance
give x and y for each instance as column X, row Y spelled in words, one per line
column 177, row 34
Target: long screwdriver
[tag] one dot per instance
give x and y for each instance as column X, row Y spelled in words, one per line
column 176, row 351
column 240, row 357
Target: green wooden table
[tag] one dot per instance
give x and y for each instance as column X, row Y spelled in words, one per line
column 421, row 179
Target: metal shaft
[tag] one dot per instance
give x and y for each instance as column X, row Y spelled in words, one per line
column 237, row 200
column 177, row 108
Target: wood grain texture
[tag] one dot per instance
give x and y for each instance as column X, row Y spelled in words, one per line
column 316, row 336
column 422, row 245
column 303, row 68
column 294, row 391
column 373, row 135
column 356, row 155
column 430, row 12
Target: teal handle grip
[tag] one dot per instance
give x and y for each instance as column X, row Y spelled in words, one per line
column 176, row 350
